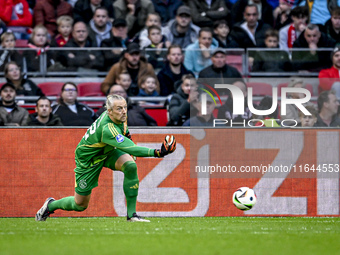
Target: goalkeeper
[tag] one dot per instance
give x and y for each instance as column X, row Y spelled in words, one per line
column 107, row 143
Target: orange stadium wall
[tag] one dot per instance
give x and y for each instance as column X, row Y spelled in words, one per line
column 38, row 163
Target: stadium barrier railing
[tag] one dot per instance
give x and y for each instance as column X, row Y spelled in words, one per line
column 239, row 58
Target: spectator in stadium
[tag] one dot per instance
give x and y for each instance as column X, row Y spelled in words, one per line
column 330, row 78
column 221, row 32
column 84, row 9
column 219, row 71
column 65, row 31
column 289, row 33
column 10, row 113
column 319, row 10
column 39, row 43
column 183, row 104
column 17, row 17
column 153, row 19
column 124, row 79
column 23, row 86
column 271, row 61
column 292, row 112
column 173, row 70
column 181, row 31
column 155, row 52
column 99, row 26
column 135, row 13
column 332, row 26
column 43, row 114
column 8, row 53
column 136, row 113
column 328, row 105
column 82, row 60
column 204, row 13
column 308, row 120
column 251, row 32
column 265, row 15
column 47, row 12
column 282, row 14
column 166, row 9
column 132, row 62
column 225, row 112
column 118, row 39
column 70, row 111
column 197, row 54
column 148, row 87
column 312, row 60
column 200, row 120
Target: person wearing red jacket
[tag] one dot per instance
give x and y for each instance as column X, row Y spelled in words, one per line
column 15, row 13
column 330, row 78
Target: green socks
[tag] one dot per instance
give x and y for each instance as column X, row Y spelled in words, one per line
column 130, row 186
column 66, row 204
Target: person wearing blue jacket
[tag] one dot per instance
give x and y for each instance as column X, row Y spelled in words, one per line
column 197, row 54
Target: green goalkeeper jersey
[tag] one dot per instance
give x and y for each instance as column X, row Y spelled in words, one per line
column 101, row 138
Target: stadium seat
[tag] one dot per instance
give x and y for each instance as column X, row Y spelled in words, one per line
column 89, row 89
column 21, row 43
column 160, row 115
column 260, row 88
column 51, row 88
column 283, row 85
column 235, row 61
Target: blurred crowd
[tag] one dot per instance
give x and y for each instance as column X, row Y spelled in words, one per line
column 168, row 48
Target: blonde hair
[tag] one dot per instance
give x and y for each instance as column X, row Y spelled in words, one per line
column 110, row 99
column 296, row 80
column 65, row 18
column 36, row 28
column 6, row 35
column 124, row 73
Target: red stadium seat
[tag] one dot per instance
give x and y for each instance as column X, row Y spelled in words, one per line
column 89, row 89
column 260, row 88
column 160, row 115
column 235, row 61
column 51, row 88
column 21, row 43
column 283, row 85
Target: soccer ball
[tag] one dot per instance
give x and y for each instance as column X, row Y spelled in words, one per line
column 244, row 198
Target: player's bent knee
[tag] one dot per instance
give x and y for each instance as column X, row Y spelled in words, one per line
column 79, row 208
column 130, row 169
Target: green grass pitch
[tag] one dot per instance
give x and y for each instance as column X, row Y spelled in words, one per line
column 218, row 235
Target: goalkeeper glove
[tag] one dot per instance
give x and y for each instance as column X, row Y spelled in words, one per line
column 168, row 146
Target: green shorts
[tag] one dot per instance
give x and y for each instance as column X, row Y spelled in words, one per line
column 87, row 178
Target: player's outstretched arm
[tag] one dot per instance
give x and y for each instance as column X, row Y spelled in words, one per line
column 168, row 146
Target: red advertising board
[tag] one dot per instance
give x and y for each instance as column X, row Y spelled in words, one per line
column 38, row 163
